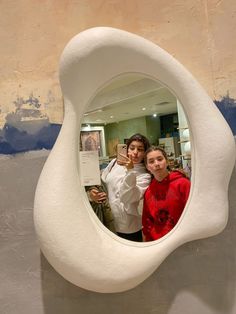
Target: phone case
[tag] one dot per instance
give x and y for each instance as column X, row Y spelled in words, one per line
column 121, row 149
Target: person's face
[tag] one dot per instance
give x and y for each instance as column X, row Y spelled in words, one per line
column 156, row 163
column 136, row 151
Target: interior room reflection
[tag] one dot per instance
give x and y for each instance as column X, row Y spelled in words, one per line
column 128, row 105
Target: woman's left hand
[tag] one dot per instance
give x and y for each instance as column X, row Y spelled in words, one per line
column 125, row 161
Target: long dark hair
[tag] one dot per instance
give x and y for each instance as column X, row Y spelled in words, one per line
column 139, row 138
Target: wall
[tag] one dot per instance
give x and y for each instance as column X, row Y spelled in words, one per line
column 153, row 129
column 200, row 276
column 33, row 34
column 117, row 132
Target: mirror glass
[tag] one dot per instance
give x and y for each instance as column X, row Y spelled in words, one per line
column 139, row 201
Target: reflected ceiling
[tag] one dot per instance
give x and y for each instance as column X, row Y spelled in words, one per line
column 129, row 97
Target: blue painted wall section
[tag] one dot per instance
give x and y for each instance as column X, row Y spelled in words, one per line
column 13, row 140
column 227, row 107
column 27, row 128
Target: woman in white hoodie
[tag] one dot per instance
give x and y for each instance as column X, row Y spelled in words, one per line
column 126, row 180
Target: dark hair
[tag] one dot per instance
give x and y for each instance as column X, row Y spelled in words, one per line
column 152, row 149
column 139, row 138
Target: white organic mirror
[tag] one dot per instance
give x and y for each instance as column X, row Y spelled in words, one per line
column 77, row 246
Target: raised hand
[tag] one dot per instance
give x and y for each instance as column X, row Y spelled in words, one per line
column 125, row 161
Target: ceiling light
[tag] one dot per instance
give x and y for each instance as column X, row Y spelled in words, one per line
column 154, row 115
column 143, row 108
column 162, row 103
column 111, row 117
column 92, row 112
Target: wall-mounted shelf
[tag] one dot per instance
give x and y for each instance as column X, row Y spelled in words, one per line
column 183, row 128
column 183, row 141
column 185, row 157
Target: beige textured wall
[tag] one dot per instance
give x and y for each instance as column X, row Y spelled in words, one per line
column 33, row 33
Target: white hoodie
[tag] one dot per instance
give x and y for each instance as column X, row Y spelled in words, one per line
column 125, row 190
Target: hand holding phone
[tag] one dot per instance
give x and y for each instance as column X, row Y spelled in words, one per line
column 122, row 157
column 121, row 150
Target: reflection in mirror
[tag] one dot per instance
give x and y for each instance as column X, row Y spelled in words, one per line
column 141, row 194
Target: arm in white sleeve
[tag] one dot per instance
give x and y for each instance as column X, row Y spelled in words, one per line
column 133, row 187
column 107, row 170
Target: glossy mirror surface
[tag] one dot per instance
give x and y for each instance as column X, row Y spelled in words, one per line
column 130, row 104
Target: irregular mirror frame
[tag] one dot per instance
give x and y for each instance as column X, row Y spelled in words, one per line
column 80, row 248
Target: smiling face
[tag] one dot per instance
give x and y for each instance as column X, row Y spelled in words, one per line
column 136, row 151
column 156, row 163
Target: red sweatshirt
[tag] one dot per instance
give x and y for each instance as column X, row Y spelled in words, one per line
column 163, row 204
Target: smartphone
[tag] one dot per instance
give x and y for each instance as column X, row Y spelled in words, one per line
column 121, row 149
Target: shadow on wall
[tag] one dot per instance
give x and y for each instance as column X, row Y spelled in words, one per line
column 199, row 277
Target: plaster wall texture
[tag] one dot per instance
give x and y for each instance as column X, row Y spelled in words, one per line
column 199, row 277
column 199, row 34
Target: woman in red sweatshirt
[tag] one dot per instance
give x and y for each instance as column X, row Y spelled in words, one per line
column 165, row 198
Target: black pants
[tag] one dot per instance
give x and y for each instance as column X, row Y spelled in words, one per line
column 136, row 236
